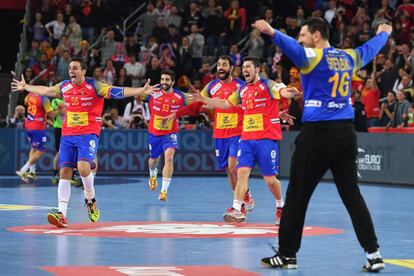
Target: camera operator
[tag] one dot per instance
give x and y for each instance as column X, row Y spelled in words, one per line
column 18, row 118
column 202, row 121
column 137, row 120
column 108, row 122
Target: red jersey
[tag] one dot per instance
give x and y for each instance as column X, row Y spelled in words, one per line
column 227, row 122
column 370, row 98
column 37, row 108
column 84, row 104
column 260, row 104
column 162, row 104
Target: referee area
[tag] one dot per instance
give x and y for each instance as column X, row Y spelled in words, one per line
column 140, row 235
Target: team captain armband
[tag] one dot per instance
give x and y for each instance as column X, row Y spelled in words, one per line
column 116, row 92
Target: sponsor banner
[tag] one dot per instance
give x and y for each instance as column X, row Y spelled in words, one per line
column 147, row 270
column 173, row 229
column 382, row 157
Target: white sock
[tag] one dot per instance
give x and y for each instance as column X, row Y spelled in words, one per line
column 237, row 204
column 279, row 203
column 33, row 168
column 26, row 167
column 63, row 195
column 153, row 173
column 88, row 189
column 374, row 255
column 165, row 183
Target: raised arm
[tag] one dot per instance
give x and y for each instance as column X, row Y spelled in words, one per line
column 371, row 48
column 140, row 91
column 217, row 103
column 37, row 89
column 289, row 46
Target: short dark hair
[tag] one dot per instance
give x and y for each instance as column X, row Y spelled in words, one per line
column 254, row 60
column 169, row 73
column 82, row 63
column 228, row 58
column 318, row 24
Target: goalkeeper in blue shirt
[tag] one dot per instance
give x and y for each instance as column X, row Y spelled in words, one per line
column 327, row 140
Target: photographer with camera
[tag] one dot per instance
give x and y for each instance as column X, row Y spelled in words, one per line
column 18, row 118
column 137, row 120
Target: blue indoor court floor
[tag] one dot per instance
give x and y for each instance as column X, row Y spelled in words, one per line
column 140, row 235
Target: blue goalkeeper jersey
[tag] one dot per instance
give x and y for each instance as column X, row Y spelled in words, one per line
column 326, row 75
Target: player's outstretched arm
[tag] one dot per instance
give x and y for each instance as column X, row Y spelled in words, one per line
column 21, row 85
column 140, row 91
column 371, row 48
column 217, row 103
column 289, row 92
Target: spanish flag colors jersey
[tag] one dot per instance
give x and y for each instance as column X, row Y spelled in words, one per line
column 37, row 108
column 84, row 104
column 327, row 95
column 260, row 104
column 227, row 122
column 162, row 104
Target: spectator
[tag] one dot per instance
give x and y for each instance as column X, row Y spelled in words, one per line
column 370, row 98
column 360, row 17
column 148, row 21
column 32, row 56
column 404, row 59
column 387, row 77
column 360, row 120
column 174, row 18
column 17, row 121
column 152, row 45
column 117, row 120
column 108, row 45
column 167, row 57
column 279, row 73
column 137, row 106
column 193, row 17
column 74, row 33
column 184, row 59
column 135, row 71
column 56, row 28
column 210, row 9
column 153, row 71
column 204, row 74
column 65, row 45
column 174, row 38
column 255, row 44
column 235, row 55
column 47, row 49
column 196, row 46
column 97, row 74
column 402, row 82
column 132, row 46
column 87, row 19
column 62, row 66
column 38, row 29
column 378, row 19
column 387, row 109
column 216, row 31
column 364, row 35
column 145, row 57
column 400, row 115
column 236, row 20
column 43, row 64
column 137, row 121
column 67, row 13
column 120, row 57
column 330, row 12
column 109, row 72
column 160, row 32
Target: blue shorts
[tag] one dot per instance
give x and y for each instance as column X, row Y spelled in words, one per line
column 264, row 152
column 37, row 139
column 225, row 148
column 159, row 144
column 77, row 148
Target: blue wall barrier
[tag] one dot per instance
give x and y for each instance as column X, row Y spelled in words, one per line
column 383, row 158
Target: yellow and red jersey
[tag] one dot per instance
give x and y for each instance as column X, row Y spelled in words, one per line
column 37, row 108
column 227, row 122
column 161, row 104
column 260, row 104
column 84, row 104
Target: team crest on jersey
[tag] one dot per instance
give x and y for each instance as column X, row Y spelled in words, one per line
column 67, row 88
column 173, row 101
column 215, row 88
column 83, row 92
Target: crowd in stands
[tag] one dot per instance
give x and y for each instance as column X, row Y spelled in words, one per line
column 187, row 37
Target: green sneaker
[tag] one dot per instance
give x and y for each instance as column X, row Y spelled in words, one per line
column 55, row 179
column 23, row 176
column 93, row 211
column 57, row 218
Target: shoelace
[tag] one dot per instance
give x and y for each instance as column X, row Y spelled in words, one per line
column 272, row 247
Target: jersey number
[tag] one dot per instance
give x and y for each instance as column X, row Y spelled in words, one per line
column 249, row 104
column 32, row 109
column 74, row 101
column 340, row 83
column 165, row 107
